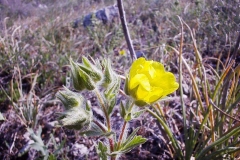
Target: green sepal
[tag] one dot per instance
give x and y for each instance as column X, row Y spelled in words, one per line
column 81, row 77
column 109, row 75
column 78, row 82
column 87, row 80
column 91, row 69
column 126, row 86
column 122, row 110
column 140, row 103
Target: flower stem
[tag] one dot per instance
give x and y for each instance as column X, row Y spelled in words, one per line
column 123, row 128
column 121, row 135
column 101, row 101
column 100, row 126
column 110, row 139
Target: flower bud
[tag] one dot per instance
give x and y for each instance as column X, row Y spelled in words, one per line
column 78, row 82
column 81, row 78
column 91, row 69
column 109, row 75
column 75, row 118
column 69, row 99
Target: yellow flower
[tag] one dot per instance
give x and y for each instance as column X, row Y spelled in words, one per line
column 122, row 52
column 148, row 82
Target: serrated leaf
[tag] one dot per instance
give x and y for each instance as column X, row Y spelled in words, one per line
column 102, row 151
column 131, row 142
column 131, row 136
column 136, row 141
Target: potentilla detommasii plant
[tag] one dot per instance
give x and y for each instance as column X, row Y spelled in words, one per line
column 146, row 83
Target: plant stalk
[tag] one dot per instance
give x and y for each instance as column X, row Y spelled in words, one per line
column 125, row 29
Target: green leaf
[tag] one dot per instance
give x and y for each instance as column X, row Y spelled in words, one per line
column 95, row 130
column 111, row 105
column 128, row 117
column 102, row 151
column 131, row 136
column 131, row 142
column 136, row 141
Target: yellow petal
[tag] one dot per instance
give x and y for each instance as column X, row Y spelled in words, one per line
column 136, row 66
column 141, row 80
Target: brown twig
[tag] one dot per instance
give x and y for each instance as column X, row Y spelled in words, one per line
column 223, row 111
column 125, row 29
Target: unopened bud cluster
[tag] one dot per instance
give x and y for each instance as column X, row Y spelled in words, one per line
column 86, row 75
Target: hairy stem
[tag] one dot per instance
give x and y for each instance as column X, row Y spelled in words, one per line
column 100, row 126
column 110, row 139
column 121, row 135
column 101, row 101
